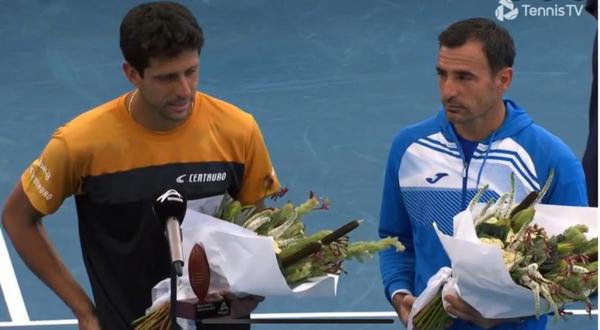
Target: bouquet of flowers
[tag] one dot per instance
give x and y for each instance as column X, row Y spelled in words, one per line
column 560, row 268
column 299, row 257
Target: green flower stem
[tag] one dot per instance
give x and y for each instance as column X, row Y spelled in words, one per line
column 432, row 316
column 442, row 317
column 437, row 314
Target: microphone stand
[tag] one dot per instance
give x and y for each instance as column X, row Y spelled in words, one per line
column 169, row 208
column 176, row 271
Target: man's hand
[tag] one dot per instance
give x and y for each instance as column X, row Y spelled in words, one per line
column 403, row 305
column 459, row 308
column 89, row 323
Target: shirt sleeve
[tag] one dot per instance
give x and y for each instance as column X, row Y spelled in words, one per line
column 260, row 179
column 50, row 178
column 397, row 269
column 568, row 186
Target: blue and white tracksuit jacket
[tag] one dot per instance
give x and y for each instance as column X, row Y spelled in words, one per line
column 427, row 179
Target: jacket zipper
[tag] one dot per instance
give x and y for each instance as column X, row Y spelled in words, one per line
column 465, row 171
column 465, row 175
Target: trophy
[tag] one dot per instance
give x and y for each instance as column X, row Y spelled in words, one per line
column 199, row 273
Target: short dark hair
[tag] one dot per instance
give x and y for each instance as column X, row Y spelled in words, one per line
column 158, row 29
column 498, row 45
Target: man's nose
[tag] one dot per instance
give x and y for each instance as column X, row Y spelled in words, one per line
column 183, row 88
column 448, row 89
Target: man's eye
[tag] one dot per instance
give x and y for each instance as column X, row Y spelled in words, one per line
column 190, row 72
column 166, row 78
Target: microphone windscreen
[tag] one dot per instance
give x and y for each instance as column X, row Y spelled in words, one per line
column 170, row 204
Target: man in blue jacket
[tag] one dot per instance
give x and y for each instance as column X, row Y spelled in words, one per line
column 436, row 166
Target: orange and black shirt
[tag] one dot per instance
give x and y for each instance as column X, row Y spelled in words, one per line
column 115, row 167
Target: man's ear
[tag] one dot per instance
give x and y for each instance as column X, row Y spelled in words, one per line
column 504, row 77
column 131, row 74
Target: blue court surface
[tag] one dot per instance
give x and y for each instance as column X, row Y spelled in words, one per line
column 330, row 82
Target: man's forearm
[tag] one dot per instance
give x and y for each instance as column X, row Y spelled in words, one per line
column 30, row 241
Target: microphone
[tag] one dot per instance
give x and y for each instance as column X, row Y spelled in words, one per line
column 170, row 209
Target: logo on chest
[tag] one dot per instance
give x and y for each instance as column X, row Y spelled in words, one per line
column 202, row 177
column 437, row 177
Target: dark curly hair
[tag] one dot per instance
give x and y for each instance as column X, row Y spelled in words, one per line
column 498, row 45
column 158, row 29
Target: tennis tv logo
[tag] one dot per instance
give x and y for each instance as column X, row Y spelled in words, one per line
column 506, row 10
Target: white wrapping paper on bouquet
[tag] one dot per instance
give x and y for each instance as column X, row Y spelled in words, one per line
column 478, row 273
column 240, row 261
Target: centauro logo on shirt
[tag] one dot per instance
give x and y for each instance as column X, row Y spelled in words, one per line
column 202, row 177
